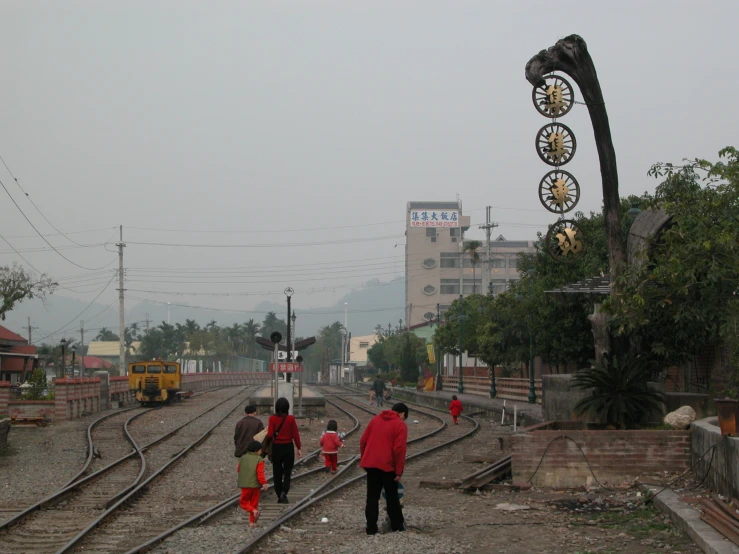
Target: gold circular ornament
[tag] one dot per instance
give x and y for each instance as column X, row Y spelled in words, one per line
column 559, row 191
column 566, row 241
column 555, row 144
column 554, row 98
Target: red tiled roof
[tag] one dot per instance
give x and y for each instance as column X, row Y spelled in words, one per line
column 7, row 334
column 93, row 362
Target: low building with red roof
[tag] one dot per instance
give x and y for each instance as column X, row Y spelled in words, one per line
column 17, row 357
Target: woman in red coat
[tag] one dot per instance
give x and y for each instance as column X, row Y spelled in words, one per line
column 455, row 408
column 283, row 429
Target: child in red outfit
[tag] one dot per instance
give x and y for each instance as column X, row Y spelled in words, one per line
column 251, row 480
column 330, row 444
column 455, row 408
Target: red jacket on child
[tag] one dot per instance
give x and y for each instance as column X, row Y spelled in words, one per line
column 455, row 408
column 330, row 443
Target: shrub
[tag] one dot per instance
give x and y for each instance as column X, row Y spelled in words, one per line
column 620, row 396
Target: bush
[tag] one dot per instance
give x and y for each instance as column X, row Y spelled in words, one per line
column 620, row 396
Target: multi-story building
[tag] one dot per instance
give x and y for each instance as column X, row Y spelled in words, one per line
column 435, row 267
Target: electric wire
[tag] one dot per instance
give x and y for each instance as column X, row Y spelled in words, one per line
column 82, row 312
column 42, row 236
column 28, row 197
column 21, row 256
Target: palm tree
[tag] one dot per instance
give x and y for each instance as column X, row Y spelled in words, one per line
column 251, row 330
column 191, row 326
column 471, row 246
column 212, row 325
column 106, row 334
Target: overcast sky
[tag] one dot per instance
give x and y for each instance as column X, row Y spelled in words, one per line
column 265, row 123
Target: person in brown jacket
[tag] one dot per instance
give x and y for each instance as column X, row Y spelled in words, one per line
column 249, row 426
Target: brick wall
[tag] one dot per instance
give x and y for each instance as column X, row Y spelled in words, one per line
column 614, row 456
column 33, row 409
column 4, row 396
column 199, row 381
column 75, row 397
column 118, row 391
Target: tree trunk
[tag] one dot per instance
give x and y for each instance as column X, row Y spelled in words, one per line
column 602, row 338
column 570, row 55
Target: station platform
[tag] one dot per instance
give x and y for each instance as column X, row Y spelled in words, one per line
column 314, row 403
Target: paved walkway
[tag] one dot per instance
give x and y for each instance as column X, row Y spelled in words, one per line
column 496, row 404
column 473, row 403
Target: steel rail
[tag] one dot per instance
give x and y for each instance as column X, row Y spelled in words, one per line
column 213, row 512
column 138, row 486
column 91, row 445
column 61, row 493
column 298, row 508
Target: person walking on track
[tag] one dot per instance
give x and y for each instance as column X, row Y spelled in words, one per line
column 251, row 480
column 246, row 428
column 379, row 387
column 283, row 430
column 455, row 408
column 382, row 449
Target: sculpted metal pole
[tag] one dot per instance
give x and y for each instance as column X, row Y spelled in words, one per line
column 570, row 55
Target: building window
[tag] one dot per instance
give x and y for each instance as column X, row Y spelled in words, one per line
column 499, row 286
column 472, row 287
column 429, row 290
column 430, row 232
column 429, row 316
column 497, row 263
column 449, row 259
column 449, row 286
column 433, row 239
column 363, row 345
column 454, row 232
column 429, row 263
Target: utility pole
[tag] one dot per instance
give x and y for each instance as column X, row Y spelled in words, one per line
column 147, row 322
column 169, row 307
column 489, row 226
column 30, row 329
column 121, row 320
column 83, row 369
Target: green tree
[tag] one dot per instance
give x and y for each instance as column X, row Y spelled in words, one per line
column 38, row 383
column 685, row 295
column 16, row 285
column 106, row 334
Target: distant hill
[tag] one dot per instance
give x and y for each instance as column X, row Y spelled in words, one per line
column 379, row 304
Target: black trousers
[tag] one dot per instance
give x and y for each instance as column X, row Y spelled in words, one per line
column 377, row 480
column 283, row 459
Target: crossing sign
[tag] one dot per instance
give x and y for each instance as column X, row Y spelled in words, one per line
column 287, row 367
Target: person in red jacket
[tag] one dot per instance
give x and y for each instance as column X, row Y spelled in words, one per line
column 283, row 430
column 455, row 408
column 382, row 449
column 330, row 444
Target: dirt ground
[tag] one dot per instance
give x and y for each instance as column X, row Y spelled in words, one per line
column 451, row 521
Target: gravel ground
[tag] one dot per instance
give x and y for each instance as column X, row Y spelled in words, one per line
column 39, row 460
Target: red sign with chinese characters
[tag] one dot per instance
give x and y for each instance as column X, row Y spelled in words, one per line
column 287, row 367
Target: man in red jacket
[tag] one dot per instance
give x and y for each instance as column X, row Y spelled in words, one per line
column 382, row 448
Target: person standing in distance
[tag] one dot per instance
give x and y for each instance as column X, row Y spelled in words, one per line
column 382, row 449
column 249, row 426
column 283, row 430
column 379, row 387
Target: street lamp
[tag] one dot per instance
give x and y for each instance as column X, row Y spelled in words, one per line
column 343, row 355
column 63, row 343
column 437, row 382
column 633, row 211
column 74, row 351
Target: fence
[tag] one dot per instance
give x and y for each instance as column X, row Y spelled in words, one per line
column 507, row 388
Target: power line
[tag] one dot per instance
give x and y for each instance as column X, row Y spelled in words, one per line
column 67, row 233
column 43, row 237
column 21, row 255
column 75, row 318
column 271, row 245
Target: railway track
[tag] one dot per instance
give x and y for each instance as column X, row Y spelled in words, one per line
column 352, row 474
column 62, row 519
column 302, row 483
column 314, row 484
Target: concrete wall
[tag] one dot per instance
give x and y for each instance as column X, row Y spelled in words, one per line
column 558, row 400
column 724, row 473
column 614, row 456
column 32, row 409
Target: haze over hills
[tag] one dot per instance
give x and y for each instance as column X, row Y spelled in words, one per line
column 368, row 307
